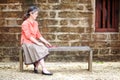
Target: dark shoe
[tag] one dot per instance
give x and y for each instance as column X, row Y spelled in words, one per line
column 47, row 73
column 35, row 70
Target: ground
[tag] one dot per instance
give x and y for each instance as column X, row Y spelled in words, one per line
column 62, row 71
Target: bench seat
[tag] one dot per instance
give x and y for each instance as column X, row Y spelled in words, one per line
column 65, row 48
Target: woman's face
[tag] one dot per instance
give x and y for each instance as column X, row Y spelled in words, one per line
column 34, row 15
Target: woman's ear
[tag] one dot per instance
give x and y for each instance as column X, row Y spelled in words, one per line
column 30, row 13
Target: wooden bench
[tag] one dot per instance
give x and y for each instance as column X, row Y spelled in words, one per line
column 66, row 48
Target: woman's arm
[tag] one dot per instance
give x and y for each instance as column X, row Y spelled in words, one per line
column 45, row 42
column 36, row 41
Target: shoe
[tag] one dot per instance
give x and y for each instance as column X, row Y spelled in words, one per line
column 35, row 70
column 47, row 73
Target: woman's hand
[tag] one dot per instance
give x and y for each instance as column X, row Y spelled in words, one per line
column 45, row 42
column 48, row 44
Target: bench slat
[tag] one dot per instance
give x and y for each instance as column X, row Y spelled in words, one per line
column 66, row 48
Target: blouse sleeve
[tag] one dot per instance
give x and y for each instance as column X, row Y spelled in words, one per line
column 26, row 30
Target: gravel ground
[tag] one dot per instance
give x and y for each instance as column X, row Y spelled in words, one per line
column 62, row 71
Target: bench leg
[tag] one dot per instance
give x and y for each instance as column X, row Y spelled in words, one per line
column 21, row 60
column 90, row 61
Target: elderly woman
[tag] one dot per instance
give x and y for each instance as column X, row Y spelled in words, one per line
column 33, row 44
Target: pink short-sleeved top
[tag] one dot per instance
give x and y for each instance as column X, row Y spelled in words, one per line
column 29, row 29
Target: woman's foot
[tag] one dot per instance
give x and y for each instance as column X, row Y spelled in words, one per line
column 35, row 70
column 47, row 73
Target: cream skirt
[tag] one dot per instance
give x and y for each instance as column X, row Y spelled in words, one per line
column 33, row 52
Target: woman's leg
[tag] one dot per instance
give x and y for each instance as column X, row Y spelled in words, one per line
column 36, row 64
column 42, row 62
column 44, row 69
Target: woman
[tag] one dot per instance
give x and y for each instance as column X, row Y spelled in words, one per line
column 33, row 44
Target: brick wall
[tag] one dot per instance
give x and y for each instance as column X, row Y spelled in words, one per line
column 63, row 23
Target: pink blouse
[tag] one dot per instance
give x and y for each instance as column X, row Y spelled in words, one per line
column 29, row 30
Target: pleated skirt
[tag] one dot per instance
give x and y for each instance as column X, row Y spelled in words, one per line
column 33, row 53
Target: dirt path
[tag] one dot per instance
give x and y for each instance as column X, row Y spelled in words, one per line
column 63, row 71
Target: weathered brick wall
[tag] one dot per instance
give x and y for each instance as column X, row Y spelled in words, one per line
column 106, row 44
column 63, row 23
